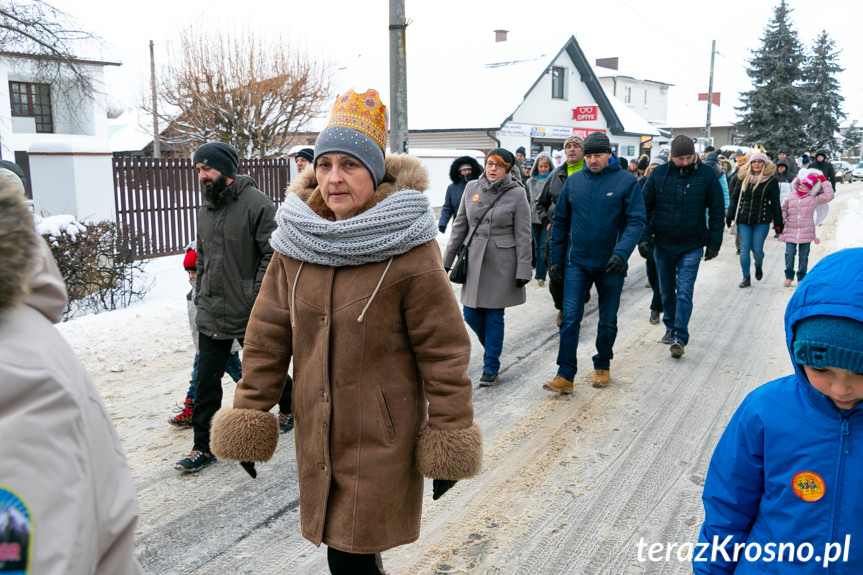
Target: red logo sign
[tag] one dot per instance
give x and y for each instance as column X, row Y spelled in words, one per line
column 585, row 113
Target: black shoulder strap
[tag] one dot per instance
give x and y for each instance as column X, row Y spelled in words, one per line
column 476, row 227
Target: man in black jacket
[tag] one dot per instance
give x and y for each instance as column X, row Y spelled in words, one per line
column 822, row 163
column 235, row 223
column 676, row 196
column 461, row 171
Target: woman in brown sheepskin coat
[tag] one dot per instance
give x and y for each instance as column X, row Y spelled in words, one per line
column 356, row 295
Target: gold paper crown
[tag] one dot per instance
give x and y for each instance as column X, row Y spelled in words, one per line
column 362, row 112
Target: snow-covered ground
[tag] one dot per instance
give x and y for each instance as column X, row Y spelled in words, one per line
column 569, row 484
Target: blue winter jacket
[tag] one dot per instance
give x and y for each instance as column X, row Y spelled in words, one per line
column 603, row 214
column 781, row 431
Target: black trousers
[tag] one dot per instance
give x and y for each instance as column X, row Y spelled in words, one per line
column 344, row 563
column 653, row 278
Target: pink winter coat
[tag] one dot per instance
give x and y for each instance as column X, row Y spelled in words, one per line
column 798, row 214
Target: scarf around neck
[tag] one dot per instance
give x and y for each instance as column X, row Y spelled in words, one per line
column 393, row 226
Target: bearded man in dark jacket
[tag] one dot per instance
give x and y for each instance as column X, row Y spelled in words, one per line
column 462, row 170
column 235, row 223
column 676, row 196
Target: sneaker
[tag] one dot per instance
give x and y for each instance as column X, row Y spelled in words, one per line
column 745, row 283
column 488, row 379
column 676, row 349
column 286, row 422
column 558, row 385
column 559, row 318
column 184, row 418
column 666, row 338
column 195, row 461
column 654, row 316
column 786, row 283
column 759, row 273
column 601, row 377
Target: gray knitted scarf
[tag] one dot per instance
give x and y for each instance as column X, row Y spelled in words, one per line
column 392, row 227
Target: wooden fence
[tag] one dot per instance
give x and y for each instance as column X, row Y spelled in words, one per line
column 159, row 199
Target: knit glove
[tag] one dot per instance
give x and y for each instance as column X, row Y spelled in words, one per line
column 249, row 467
column 615, row 265
column 779, row 228
column 442, row 229
column 728, row 220
column 710, row 254
column 441, row 486
column 521, row 283
column 645, row 250
column 555, row 271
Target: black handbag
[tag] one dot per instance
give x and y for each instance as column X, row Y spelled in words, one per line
column 458, row 273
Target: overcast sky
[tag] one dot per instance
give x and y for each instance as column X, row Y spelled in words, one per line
column 667, row 41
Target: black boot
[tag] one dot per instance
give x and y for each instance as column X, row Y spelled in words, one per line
column 759, row 273
column 745, row 282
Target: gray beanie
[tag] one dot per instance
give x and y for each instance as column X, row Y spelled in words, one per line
column 344, row 140
column 218, row 155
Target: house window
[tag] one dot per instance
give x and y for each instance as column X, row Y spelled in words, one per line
column 645, row 96
column 557, row 83
column 33, row 101
column 627, row 95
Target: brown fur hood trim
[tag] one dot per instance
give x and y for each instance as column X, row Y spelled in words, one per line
column 449, row 453
column 17, row 245
column 403, row 172
column 769, row 170
column 244, row 434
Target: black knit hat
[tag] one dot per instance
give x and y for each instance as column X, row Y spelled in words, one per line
column 597, row 143
column 682, row 146
column 218, row 155
column 306, row 153
column 505, row 155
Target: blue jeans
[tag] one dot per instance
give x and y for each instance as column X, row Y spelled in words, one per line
column 791, row 251
column 677, row 284
column 539, row 232
column 233, row 367
column 752, row 239
column 576, row 282
column 487, row 324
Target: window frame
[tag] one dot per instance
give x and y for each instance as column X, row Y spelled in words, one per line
column 558, row 83
column 34, row 101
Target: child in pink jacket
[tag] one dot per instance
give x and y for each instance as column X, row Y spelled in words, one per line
column 811, row 189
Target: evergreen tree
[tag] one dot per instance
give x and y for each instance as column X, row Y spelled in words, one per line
column 774, row 112
column 853, row 138
column 822, row 91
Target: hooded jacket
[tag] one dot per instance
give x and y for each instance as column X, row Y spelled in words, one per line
column 755, row 204
column 233, row 245
column 378, row 403
column 456, row 188
column 599, row 214
column 501, row 248
column 535, row 186
column 675, row 199
column 66, row 493
column 826, row 168
column 798, row 213
column 781, row 429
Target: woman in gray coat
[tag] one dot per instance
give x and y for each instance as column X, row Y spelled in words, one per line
column 499, row 263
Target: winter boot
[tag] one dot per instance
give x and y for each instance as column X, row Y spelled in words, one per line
column 745, row 283
column 601, row 377
column 759, row 273
column 184, row 418
column 558, row 385
column 286, row 422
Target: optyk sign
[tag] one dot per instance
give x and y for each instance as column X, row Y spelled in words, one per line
column 585, row 113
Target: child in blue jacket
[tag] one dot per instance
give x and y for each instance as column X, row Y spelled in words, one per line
column 785, row 484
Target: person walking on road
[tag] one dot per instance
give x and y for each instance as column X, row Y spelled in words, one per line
column 499, row 265
column 753, row 205
column 676, row 196
column 462, row 170
column 357, row 298
column 235, row 223
column 600, row 216
column 540, row 172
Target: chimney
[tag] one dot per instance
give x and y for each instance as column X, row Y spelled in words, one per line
column 500, row 35
column 703, row 98
column 610, row 63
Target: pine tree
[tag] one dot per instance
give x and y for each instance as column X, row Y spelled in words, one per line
column 822, row 92
column 853, row 138
column 773, row 113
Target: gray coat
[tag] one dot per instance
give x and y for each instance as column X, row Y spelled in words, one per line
column 500, row 251
column 535, row 186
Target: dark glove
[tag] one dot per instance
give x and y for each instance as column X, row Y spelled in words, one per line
column 615, row 265
column 556, row 273
column 249, row 466
column 441, row 486
column 710, row 254
column 779, row 228
column 442, row 229
column 728, row 220
column 645, row 250
column 521, row 283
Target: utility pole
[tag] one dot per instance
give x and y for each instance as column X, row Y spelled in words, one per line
column 398, row 79
column 157, row 151
column 710, row 88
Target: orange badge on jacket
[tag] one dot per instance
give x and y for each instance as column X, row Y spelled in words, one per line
column 808, row 485
column 475, row 198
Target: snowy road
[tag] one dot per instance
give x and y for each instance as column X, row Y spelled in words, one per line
column 570, row 485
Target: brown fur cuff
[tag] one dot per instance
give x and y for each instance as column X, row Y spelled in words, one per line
column 244, row 434
column 449, row 454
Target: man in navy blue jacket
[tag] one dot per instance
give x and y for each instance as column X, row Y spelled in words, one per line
column 676, row 196
column 602, row 212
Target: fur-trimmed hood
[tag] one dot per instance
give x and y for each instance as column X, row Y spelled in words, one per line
column 402, row 172
column 769, row 170
column 454, row 174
